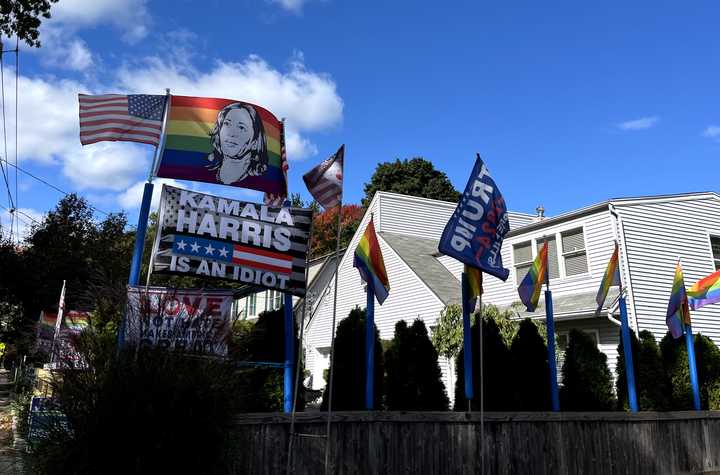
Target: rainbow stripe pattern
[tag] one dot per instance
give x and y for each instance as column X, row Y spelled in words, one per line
column 474, row 283
column 678, row 312
column 188, row 147
column 705, row 291
column 529, row 288
column 369, row 262
column 611, row 278
column 76, row 321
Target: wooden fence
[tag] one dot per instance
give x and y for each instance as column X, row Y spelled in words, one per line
column 515, row 443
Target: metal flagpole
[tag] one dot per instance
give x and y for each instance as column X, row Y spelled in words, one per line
column 369, row 348
column 297, row 380
column 467, row 342
column 332, row 344
column 550, row 322
column 289, row 349
column 58, row 322
column 482, row 387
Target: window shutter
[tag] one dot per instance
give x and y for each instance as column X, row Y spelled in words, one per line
column 573, row 241
column 522, row 252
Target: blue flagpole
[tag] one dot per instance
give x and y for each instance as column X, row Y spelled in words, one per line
column 550, row 321
column 369, row 348
column 467, row 341
column 289, row 348
column 289, row 353
column 627, row 350
column 690, row 344
column 140, row 234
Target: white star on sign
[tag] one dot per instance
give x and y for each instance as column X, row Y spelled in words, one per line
column 181, row 245
column 209, row 249
column 223, row 252
column 195, row 247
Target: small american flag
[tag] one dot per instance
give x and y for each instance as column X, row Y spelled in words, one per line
column 120, row 118
column 325, row 180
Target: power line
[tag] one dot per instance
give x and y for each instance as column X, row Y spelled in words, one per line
column 4, row 170
column 44, row 182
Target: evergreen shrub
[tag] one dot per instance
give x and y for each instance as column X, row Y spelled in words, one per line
column 587, row 383
column 530, row 371
column 413, row 376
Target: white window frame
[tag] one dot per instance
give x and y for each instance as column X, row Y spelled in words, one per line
column 594, row 331
column 533, row 253
column 563, row 254
column 715, row 260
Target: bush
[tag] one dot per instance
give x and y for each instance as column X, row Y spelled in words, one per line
column 675, row 361
column 530, row 371
column 149, row 411
column 349, row 373
column 587, row 384
column 653, row 383
column 414, row 380
column 497, row 377
column 262, row 388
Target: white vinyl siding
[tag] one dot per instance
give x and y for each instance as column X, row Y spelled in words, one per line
column 715, row 246
column 574, row 255
column 251, row 305
column 657, row 233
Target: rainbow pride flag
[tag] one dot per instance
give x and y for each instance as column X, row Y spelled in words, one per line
column 474, row 283
column 611, row 278
column 369, row 262
column 76, row 321
column 529, row 288
column 678, row 312
column 705, row 291
column 223, row 141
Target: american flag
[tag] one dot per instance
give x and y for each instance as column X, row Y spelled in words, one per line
column 325, row 180
column 120, row 118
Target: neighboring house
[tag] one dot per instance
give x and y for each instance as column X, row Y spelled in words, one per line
column 320, row 270
column 652, row 233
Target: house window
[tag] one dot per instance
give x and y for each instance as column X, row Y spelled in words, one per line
column 715, row 245
column 574, row 255
column 522, row 257
column 251, row 305
column 553, row 266
column 273, row 300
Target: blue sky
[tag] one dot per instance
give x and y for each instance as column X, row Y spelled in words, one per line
column 568, row 103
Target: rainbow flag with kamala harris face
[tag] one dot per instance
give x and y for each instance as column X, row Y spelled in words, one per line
column 223, row 141
column 369, row 262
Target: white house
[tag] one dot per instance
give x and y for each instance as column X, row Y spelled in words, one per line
column 653, row 232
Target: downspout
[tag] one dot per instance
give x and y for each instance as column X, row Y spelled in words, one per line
column 628, row 288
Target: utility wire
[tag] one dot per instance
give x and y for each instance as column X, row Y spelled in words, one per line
column 4, row 170
column 44, row 182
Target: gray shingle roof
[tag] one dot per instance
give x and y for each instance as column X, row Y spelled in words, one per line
column 571, row 305
column 417, row 253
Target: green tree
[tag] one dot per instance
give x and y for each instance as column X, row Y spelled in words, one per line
column 23, row 18
column 496, row 374
column 530, row 371
column 349, row 362
column 653, row 383
column 413, row 376
column 587, row 383
column 414, row 177
column 675, row 361
column 262, row 387
column 447, row 337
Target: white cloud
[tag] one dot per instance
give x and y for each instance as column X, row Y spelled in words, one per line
column 294, row 6
column 107, row 165
column 639, row 124
column 309, row 101
column 62, row 49
column 130, row 16
column 132, row 197
column 25, row 218
column 712, row 131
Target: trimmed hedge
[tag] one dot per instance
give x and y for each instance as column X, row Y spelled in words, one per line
column 530, row 371
column 413, row 377
column 587, row 383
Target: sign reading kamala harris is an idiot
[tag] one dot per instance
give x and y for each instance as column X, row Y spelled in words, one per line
column 212, row 237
